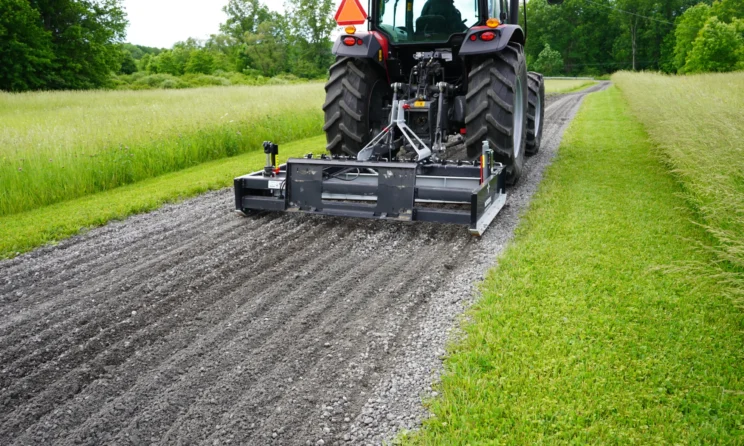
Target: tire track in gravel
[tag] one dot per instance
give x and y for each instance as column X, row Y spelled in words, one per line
column 56, row 348
column 192, row 325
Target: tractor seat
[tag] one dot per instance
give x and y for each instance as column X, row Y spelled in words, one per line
column 431, row 25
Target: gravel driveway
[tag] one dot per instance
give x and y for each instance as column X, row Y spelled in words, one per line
column 191, row 325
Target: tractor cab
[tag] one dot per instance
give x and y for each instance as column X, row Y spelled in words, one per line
column 426, row 20
column 433, row 21
column 397, row 30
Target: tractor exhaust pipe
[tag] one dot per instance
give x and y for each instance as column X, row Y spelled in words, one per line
column 514, row 12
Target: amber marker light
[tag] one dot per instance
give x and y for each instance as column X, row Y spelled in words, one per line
column 351, row 29
column 492, row 23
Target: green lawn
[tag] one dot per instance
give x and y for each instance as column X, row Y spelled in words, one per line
column 27, row 230
column 559, row 86
column 583, row 335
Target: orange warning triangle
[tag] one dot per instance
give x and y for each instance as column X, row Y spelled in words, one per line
column 350, row 12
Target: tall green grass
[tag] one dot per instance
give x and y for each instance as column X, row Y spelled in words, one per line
column 25, row 231
column 697, row 122
column 55, row 146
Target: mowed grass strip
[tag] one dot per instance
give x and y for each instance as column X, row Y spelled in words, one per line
column 559, row 86
column 579, row 337
column 55, row 146
column 24, row 231
column 697, row 122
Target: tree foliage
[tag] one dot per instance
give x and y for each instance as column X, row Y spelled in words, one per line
column 127, row 65
column 59, row 44
column 601, row 36
column 688, row 27
column 25, row 47
column 200, row 61
column 718, row 47
column 549, row 62
column 266, row 49
column 710, row 38
column 244, row 16
column 728, row 10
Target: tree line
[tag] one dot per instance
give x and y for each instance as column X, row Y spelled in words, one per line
column 79, row 44
column 253, row 40
column 593, row 37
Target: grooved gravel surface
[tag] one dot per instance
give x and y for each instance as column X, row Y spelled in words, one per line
column 191, row 325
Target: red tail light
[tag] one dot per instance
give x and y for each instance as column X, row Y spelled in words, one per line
column 487, row 36
column 349, row 41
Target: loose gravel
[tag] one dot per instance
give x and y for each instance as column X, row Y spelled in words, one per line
column 191, row 325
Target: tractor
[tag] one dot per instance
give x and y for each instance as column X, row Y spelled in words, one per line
column 429, row 114
column 459, row 67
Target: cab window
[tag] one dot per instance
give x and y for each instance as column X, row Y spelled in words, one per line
column 426, row 20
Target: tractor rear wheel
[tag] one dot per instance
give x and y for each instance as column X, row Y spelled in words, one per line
column 535, row 112
column 356, row 92
column 496, row 108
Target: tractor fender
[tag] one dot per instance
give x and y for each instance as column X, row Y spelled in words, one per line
column 504, row 35
column 366, row 46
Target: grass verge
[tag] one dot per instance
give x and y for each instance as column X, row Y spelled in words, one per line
column 579, row 337
column 24, row 231
column 697, row 122
column 560, row 86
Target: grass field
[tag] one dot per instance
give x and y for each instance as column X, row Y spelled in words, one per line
column 579, row 336
column 24, row 231
column 558, row 86
column 55, row 146
column 697, row 122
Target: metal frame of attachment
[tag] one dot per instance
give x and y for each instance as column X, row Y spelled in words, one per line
column 397, row 121
column 459, row 192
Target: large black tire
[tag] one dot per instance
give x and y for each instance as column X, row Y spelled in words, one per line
column 496, row 108
column 355, row 94
column 535, row 112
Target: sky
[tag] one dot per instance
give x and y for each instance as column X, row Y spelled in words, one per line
column 161, row 23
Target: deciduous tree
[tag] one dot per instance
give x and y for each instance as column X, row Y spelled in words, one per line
column 26, row 52
column 200, row 61
column 85, row 39
column 688, row 27
column 128, row 64
column 717, row 47
column 549, row 61
column 265, row 50
column 244, row 16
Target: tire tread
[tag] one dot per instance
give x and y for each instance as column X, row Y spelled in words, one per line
column 491, row 86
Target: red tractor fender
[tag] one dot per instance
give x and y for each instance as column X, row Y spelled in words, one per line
column 372, row 46
column 365, row 46
column 476, row 43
